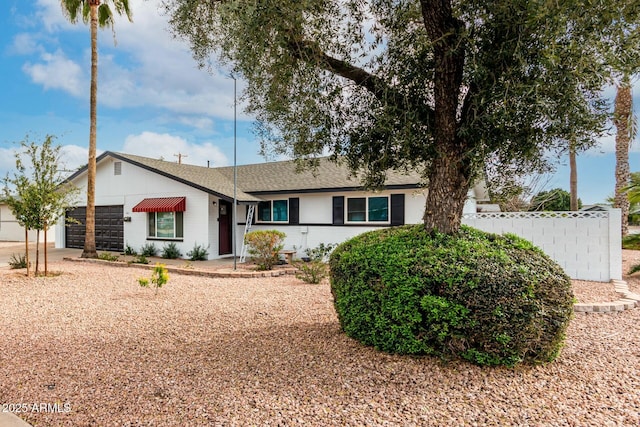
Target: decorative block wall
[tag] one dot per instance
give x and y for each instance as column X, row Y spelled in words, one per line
column 586, row 244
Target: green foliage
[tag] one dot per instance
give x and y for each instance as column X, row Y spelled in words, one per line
column 552, row 200
column 75, row 9
column 493, row 300
column 159, row 277
column 149, row 249
column 139, row 259
column 128, row 250
column 198, row 253
column 170, row 251
column 311, row 272
column 320, row 252
column 106, row 256
column 18, row 261
column 634, row 269
column 437, row 87
column 36, row 193
column 264, row 246
column 631, row 241
column 633, row 189
column 315, row 269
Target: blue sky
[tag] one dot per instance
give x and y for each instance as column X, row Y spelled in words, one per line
column 153, row 100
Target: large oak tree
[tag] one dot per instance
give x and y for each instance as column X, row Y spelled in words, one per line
column 450, row 88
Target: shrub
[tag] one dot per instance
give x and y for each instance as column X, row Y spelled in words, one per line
column 128, row 250
column 320, row 252
column 171, row 251
column 314, row 269
column 264, row 246
column 106, row 256
column 634, row 269
column 18, row 261
column 198, row 253
column 493, row 300
column 149, row 249
column 631, row 241
column 159, row 277
column 139, row 259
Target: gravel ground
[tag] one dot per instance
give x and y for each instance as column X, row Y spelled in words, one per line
column 101, row 351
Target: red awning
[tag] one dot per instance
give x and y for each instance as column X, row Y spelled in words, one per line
column 162, row 204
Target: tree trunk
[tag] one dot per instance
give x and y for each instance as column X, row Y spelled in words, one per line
column 26, row 248
column 622, row 119
column 45, row 251
column 448, row 188
column 37, row 251
column 89, row 250
column 573, row 179
column 448, row 176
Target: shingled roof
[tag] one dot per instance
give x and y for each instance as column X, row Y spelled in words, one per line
column 260, row 178
column 282, row 177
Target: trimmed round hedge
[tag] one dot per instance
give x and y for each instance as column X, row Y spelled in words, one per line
column 490, row 299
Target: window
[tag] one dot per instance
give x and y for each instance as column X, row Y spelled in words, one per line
column 166, row 225
column 117, row 168
column 368, row 209
column 273, row 211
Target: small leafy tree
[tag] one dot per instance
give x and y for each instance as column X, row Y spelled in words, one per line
column 159, row 277
column 37, row 193
column 552, row 200
column 264, row 247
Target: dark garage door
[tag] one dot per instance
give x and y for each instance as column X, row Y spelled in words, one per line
column 109, row 228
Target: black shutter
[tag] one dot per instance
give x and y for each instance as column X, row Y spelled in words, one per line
column 294, row 211
column 338, row 210
column 397, row 209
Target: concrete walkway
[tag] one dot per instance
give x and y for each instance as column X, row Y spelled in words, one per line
column 8, row 419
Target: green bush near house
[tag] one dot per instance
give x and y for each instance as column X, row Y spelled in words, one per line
column 149, row 249
column 106, row 256
column 171, row 251
column 489, row 299
column 198, row 253
column 264, row 246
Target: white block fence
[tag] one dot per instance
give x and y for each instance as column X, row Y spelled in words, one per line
column 587, row 245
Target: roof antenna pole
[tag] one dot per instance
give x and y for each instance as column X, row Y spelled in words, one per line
column 180, row 156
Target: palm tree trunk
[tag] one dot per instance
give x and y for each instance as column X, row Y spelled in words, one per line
column 622, row 119
column 89, row 250
column 573, row 178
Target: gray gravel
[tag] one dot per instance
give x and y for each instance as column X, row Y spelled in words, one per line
column 270, row 352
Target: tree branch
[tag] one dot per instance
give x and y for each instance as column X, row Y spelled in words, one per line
column 309, row 52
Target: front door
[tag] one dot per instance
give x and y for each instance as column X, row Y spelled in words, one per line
column 224, row 228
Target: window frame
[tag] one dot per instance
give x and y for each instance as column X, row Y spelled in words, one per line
column 178, row 226
column 272, row 219
column 367, row 219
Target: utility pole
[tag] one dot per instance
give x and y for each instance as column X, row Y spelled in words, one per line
column 180, row 156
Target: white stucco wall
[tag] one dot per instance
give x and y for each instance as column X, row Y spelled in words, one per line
column 316, row 215
column 135, row 184
column 11, row 231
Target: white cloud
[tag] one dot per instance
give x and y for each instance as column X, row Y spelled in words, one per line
column 202, row 123
column 167, row 147
column 24, row 44
column 57, row 72
column 74, row 156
